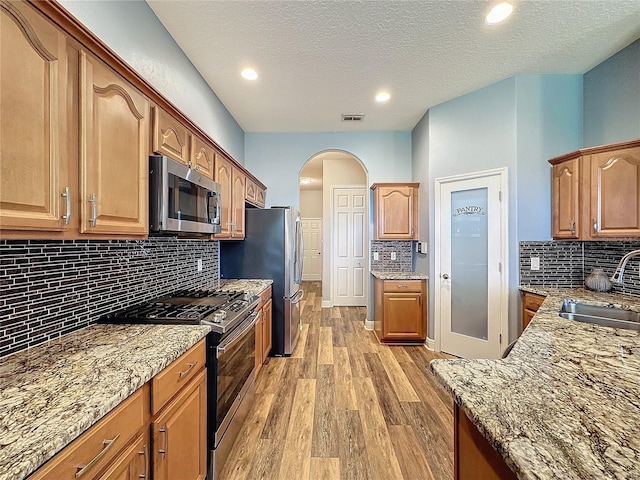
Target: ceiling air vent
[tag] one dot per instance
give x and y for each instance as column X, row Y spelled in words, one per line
column 352, row 117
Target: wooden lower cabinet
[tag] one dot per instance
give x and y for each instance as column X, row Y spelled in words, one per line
column 474, row 457
column 400, row 310
column 179, row 435
column 133, row 463
column 530, row 305
column 264, row 325
column 118, row 447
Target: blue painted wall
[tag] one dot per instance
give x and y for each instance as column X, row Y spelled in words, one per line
column 132, row 30
column 612, row 98
column 277, row 158
column 517, row 123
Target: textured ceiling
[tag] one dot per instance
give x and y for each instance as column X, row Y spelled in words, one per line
column 319, row 59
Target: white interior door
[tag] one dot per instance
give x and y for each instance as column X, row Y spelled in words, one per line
column 312, row 233
column 349, row 214
column 471, row 271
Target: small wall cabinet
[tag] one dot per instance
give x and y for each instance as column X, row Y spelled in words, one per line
column 400, row 310
column 232, row 191
column 530, row 305
column 395, row 211
column 596, row 193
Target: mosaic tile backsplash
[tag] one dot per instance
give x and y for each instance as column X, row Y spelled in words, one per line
column 49, row 288
column 404, row 255
column 566, row 264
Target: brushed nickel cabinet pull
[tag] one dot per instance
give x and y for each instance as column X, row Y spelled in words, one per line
column 107, row 445
column 403, row 285
column 186, row 372
column 145, row 452
column 164, row 430
column 67, row 195
column 595, row 225
column 94, row 210
column 573, row 227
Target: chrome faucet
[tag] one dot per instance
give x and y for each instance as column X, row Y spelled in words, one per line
column 617, row 277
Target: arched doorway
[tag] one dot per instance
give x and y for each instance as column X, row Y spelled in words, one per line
column 334, row 207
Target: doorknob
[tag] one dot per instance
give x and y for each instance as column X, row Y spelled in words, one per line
column 445, row 276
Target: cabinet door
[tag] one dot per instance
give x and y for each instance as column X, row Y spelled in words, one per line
column 224, row 177
column 238, row 196
column 133, row 464
column 267, row 316
column 259, row 341
column 252, row 191
column 202, row 157
column 260, row 197
column 566, row 198
column 615, row 193
column 33, row 121
column 180, row 435
column 396, row 212
column 170, row 137
column 114, row 160
column 403, row 317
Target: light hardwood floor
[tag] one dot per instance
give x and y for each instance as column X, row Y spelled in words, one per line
column 345, row 407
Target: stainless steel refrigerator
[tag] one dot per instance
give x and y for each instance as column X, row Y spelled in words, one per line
column 272, row 248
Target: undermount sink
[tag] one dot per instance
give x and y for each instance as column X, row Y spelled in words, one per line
column 605, row 316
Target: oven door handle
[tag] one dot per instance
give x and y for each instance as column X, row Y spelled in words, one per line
column 249, row 323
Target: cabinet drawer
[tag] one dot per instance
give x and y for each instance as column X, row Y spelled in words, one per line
column 95, row 448
column 531, row 301
column 167, row 383
column 403, row 286
column 265, row 296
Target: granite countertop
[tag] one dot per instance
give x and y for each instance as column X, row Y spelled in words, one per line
column 52, row 393
column 251, row 287
column 399, row 275
column 565, row 403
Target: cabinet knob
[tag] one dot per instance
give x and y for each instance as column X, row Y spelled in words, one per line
column 445, row 276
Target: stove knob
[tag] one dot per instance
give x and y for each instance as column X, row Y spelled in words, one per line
column 219, row 316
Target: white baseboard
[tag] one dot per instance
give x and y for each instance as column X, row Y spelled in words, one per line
column 368, row 324
column 430, row 343
column 327, row 304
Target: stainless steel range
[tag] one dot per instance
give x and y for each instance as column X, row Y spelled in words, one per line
column 230, row 355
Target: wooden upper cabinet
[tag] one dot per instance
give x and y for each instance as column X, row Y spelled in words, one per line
column 395, row 211
column 596, row 193
column 254, row 193
column 238, row 195
column 170, row 137
column 202, row 157
column 33, row 119
column 114, row 131
column 566, row 199
column 223, row 175
column 615, row 193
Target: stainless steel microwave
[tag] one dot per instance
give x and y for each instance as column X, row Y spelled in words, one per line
column 181, row 200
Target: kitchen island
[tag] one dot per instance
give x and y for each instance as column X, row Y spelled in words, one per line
column 52, row 393
column 565, row 403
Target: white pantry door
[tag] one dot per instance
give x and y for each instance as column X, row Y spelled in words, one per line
column 312, row 233
column 350, row 267
column 471, row 263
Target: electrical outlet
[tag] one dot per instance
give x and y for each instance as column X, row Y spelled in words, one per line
column 199, row 264
column 393, row 255
column 535, row 263
column 376, row 256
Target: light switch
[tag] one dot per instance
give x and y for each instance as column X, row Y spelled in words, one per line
column 393, row 255
column 535, row 263
column 376, row 256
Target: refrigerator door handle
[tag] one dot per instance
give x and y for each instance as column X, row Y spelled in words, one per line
column 299, row 252
column 297, row 297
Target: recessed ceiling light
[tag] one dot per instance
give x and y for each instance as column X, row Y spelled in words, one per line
column 382, row 97
column 498, row 13
column 305, row 180
column 249, row 74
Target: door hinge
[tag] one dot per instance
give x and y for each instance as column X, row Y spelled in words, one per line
column 500, row 339
column 500, row 267
column 500, row 195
